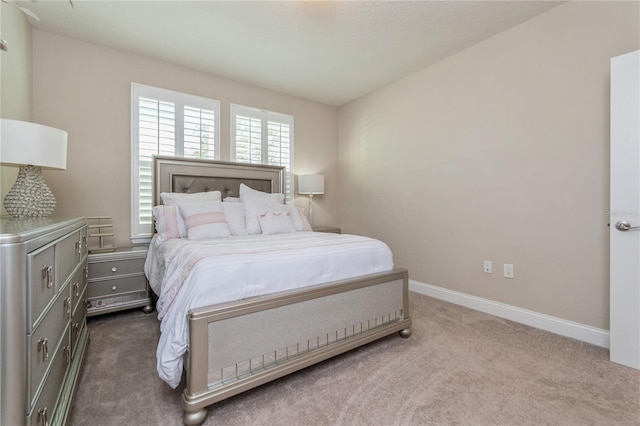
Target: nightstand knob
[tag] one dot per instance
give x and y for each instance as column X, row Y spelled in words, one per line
column 114, row 288
column 114, row 269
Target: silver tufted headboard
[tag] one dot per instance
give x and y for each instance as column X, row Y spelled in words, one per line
column 176, row 174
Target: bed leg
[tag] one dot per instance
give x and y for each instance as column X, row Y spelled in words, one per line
column 405, row 333
column 194, row 418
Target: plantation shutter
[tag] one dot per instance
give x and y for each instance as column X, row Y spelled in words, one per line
column 263, row 137
column 166, row 123
column 156, row 135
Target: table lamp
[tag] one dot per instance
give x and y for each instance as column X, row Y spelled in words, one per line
column 311, row 184
column 32, row 147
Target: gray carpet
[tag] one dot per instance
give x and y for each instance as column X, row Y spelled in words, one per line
column 460, row 367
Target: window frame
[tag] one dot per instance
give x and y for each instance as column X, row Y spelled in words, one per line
column 265, row 116
column 142, row 233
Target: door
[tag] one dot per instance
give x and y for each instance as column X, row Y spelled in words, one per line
column 624, row 284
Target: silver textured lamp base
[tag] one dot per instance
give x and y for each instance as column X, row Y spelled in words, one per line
column 30, row 196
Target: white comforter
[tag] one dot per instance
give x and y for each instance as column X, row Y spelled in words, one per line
column 191, row 274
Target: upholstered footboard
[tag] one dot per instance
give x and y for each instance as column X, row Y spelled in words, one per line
column 237, row 346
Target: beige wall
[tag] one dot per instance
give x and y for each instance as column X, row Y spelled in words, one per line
column 85, row 89
column 15, row 78
column 498, row 153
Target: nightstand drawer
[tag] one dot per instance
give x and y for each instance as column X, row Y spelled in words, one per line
column 106, row 288
column 114, row 268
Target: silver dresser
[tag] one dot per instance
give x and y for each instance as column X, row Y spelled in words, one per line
column 43, row 305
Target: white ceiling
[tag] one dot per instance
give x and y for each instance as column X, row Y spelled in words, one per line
column 330, row 51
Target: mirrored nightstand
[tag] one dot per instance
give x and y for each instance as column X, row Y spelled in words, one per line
column 333, row 229
column 117, row 281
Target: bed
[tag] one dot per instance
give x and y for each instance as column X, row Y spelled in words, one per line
column 228, row 342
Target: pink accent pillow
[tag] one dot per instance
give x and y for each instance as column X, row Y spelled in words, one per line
column 205, row 221
column 169, row 222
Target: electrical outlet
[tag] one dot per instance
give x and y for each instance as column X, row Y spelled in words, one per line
column 488, row 267
column 508, row 270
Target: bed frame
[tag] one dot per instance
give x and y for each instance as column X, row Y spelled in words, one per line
column 267, row 337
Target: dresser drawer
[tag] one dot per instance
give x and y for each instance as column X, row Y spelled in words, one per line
column 78, row 321
column 115, row 268
column 78, row 285
column 69, row 252
column 41, row 282
column 44, row 340
column 117, row 286
column 46, row 402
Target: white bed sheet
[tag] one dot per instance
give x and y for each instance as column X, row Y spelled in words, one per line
column 191, row 274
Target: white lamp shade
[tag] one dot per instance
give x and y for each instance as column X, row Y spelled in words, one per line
column 311, row 184
column 24, row 143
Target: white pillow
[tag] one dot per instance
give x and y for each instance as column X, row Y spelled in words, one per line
column 234, row 213
column 169, row 222
column 173, row 198
column 272, row 222
column 205, row 220
column 254, row 207
column 231, row 200
column 249, row 193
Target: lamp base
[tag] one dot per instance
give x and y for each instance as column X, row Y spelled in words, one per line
column 30, row 196
column 311, row 209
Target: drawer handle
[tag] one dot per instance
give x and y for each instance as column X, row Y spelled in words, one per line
column 67, row 354
column 79, row 247
column 43, row 346
column 67, row 305
column 87, row 304
column 42, row 414
column 47, row 273
column 114, row 288
column 114, row 269
column 77, row 287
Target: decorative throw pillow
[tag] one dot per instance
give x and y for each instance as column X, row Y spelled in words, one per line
column 205, row 220
column 180, row 198
column 169, row 222
column 249, row 193
column 254, row 207
column 272, row 222
column 234, row 213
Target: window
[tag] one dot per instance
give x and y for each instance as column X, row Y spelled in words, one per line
column 263, row 137
column 164, row 122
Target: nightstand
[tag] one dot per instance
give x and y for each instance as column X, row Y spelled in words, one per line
column 333, row 229
column 117, row 281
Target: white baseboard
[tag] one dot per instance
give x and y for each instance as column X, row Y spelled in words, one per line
column 574, row 330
